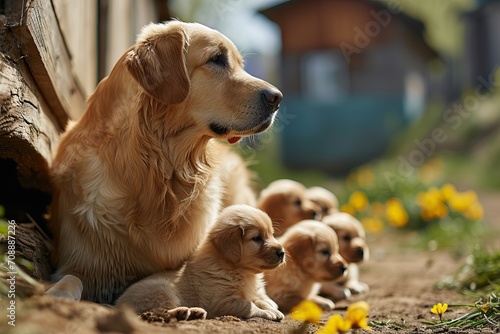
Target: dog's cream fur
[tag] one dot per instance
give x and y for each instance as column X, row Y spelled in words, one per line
column 137, row 179
column 285, row 202
column 312, row 258
column 354, row 249
column 222, row 276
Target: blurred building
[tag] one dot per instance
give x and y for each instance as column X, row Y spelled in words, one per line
column 482, row 44
column 354, row 74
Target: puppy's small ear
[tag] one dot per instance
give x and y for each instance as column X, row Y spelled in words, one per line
column 159, row 66
column 229, row 243
column 300, row 250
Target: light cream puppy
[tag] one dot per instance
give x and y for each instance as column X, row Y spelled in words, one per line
column 136, row 181
column 222, row 276
column 312, row 258
column 354, row 250
column 326, row 200
column 286, row 203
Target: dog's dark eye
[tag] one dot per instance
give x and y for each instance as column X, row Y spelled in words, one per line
column 346, row 237
column 325, row 252
column 298, row 202
column 218, row 59
column 257, row 238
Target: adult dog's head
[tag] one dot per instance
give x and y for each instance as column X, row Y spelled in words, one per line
column 352, row 237
column 244, row 237
column 314, row 249
column 200, row 71
column 285, row 202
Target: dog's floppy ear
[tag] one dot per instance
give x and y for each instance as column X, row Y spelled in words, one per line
column 229, row 243
column 159, row 65
column 300, row 250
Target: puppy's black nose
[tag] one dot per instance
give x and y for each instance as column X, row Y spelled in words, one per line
column 280, row 253
column 271, row 98
column 360, row 253
column 343, row 268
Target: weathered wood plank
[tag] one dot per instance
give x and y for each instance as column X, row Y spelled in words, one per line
column 37, row 32
column 78, row 24
column 27, row 134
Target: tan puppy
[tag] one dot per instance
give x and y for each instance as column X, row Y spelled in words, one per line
column 354, row 250
column 285, row 202
column 327, row 201
column 222, row 276
column 312, row 258
column 136, row 179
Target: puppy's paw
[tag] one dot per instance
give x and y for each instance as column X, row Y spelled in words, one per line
column 357, row 287
column 272, row 315
column 186, row 313
column 325, row 303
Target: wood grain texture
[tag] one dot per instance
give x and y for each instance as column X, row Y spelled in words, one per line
column 40, row 40
column 27, row 134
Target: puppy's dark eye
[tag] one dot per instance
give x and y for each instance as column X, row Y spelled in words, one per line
column 346, row 237
column 257, row 238
column 218, row 59
column 325, row 252
column 298, row 202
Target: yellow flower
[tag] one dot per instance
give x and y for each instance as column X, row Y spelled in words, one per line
column 356, row 314
column 475, row 212
column 358, row 201
column 461, row 202
column 347, row 208
column 395, row 213
column 372, row 224
column 447, row 191
column 307, row 311
column 336, row 324
column 431, row 204
column 439, row 309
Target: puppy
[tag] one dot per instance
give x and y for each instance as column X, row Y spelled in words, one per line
column 285, row 202
column 312, row 258
column 353, row 249
column 136, row 181
column 326, row 200
column 222, row 276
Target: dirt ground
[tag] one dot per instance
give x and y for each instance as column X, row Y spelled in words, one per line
column 401, row 283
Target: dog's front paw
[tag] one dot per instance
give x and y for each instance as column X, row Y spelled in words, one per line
column 357, row 287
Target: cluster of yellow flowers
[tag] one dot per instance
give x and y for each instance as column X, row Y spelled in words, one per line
column 435, row 203
column 393, row 211
column 355, row 317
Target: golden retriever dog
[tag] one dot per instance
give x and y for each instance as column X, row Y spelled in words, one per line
column 354, row 249
column 222, row 276
column 326, row 200
column 137, row 179
column 285, row 202
column 312, row 258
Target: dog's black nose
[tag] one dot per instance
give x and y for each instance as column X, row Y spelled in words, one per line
column 271, row 98
column 360, row 253
column 343, row 268
column 280, row 253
